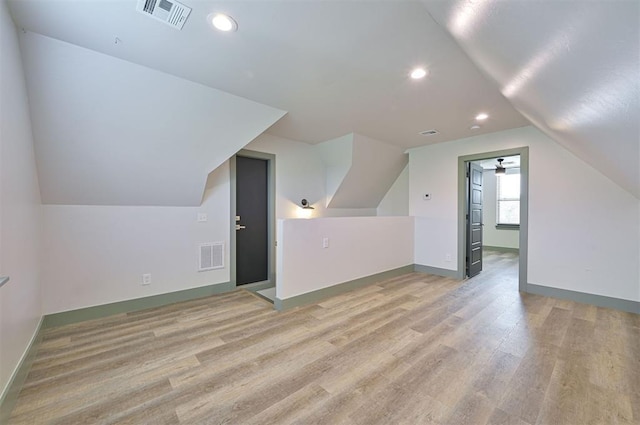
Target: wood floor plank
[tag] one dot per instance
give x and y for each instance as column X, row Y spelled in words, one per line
column 500, row 417
column 492, row 379
column 415, row 349
column 474, row 408
column 126, row 399
column 382, row 407
column 526, row 391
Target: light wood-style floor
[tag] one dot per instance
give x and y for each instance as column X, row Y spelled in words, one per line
column 418, row 349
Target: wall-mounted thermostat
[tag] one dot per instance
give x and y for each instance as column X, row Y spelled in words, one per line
column 426, row 196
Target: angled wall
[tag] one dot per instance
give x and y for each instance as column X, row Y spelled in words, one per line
column 337, row 156
column 109, row 132
column 396, row 201
column 360, row 170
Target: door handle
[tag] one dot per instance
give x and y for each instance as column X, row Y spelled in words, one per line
column 239, row 227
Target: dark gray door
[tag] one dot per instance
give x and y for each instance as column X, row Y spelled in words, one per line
column 251, row 228
column 474, row 219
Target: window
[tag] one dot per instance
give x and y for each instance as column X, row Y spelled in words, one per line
column 508, row 208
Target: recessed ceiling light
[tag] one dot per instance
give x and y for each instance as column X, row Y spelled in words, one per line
column 223, row 22
column 474, row 127
column 418, row 73
column 482, row 116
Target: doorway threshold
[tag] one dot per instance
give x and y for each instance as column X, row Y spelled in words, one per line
column 269, row 294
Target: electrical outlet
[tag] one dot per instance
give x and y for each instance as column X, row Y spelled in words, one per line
column 202, row 217
column 325, row 242
column 146, row 279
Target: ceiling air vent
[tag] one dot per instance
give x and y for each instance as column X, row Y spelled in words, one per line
column 428, row 133
column 168, row 11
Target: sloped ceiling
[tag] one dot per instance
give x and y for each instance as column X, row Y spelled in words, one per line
column 337, row 67
column 109, row 132
column 337, row 157
column 360, row 170
column 571, row 67
column 376, row 166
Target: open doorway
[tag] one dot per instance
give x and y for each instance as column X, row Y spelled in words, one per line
column 484, row 200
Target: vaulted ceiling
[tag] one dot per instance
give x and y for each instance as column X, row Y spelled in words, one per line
column 337, row 67
column 570, row 68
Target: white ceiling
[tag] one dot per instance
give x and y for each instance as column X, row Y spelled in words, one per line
column 571, row 67
column 110, row 132
column 509, row 162
column 337, row 67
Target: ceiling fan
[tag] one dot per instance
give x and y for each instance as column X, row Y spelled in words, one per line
column 500, row 170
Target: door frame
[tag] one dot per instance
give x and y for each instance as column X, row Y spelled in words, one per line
column 271, row 218
column 524, row 209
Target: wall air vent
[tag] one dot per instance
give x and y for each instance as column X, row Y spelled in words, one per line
column 168, row 11
column 211, row 256
column 428, row 133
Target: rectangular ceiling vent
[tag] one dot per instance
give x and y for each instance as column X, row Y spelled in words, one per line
column 428, row 133
column 168, row 11
column 211, row 256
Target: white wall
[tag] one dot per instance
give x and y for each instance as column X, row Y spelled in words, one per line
column 110, row 132
column 358, row 247
column 301, row 173
column 20, row 213
column 337, row 156
column 375, row 166
column 396, row 201
column 584, row 230
column 97, row 254
column 504, row 238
